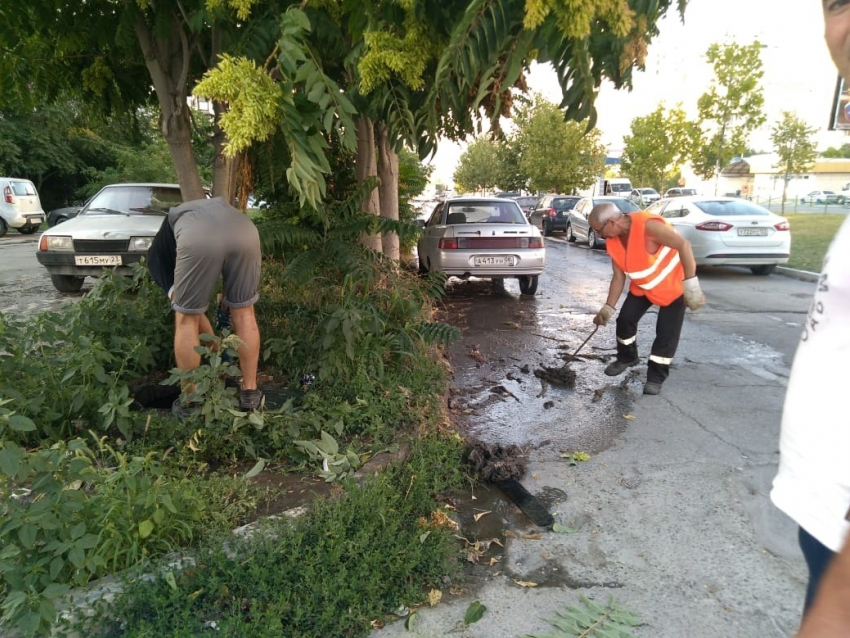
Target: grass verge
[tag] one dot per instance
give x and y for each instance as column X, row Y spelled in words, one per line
column 811, row 235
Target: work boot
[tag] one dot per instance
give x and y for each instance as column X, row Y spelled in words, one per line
column 652, row 387
column 250, row 399
column 619, row 367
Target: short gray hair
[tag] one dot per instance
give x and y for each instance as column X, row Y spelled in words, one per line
column 603, row 213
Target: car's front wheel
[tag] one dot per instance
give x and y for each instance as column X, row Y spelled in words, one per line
column 528, row 284
column 763, row 270
column 570, row 236
column 3, row 228
column 67, row 283
column 60, row 220
column 592, row 239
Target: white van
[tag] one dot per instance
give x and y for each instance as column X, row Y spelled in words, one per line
column 20, row 206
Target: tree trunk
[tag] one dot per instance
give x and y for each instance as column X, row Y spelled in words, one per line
column 167, row 58
column 784, row 190
column 224, row 167
column 367, row 167
column 388, row 190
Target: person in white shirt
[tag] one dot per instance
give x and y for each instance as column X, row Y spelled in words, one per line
column 812, row 485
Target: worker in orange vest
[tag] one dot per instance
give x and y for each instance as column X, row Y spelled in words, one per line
column 661, row 269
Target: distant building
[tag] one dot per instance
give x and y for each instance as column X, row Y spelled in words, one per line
column 757, row 177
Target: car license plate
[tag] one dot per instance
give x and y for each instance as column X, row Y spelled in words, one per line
column 752, row 232
column 97, row 260
column 493, row 260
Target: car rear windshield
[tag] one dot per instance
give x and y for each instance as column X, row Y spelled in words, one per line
column 649, row 191
column 731, row 208
column 485, row 213
column 564, row 203
column 526, row 201
column 689, row 191
column 137, row 199
column 625, row 205
column 23, row 188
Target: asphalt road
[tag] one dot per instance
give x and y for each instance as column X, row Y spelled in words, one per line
column 671, row 513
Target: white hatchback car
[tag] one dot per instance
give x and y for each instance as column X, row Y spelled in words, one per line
column 482, row 237
column 727, row 231
column 114, row 230
column 20, row 206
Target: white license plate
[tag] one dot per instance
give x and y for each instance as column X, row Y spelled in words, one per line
column 493, row 260
column 97, row 260
column 752, row 232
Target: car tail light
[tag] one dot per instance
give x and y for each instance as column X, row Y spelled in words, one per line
column 551, row 212
column 719, row 226
column 535, row 242
column 7, row 195
column 782, row 226
column 448, row 243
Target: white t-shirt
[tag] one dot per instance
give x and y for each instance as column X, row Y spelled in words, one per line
column 813, row 482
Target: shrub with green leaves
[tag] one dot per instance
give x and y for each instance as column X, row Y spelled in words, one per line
column 69, row 514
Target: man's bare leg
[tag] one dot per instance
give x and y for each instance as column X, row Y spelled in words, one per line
column 186, row 337
column 245, row 327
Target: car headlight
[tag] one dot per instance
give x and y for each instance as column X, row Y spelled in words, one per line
column 140, row 244
column 59, row 242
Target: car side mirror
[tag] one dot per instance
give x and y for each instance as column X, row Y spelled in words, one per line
column 419, row 222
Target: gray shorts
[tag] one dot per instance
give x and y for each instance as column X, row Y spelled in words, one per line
column 213, row 239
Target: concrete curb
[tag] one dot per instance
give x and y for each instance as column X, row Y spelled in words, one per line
column 802, row 275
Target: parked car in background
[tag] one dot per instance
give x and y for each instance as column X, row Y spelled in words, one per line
column 729, row 231
column 482, row 237
column 680, row 192
column 579, row 228
column 527, row 203
column 822, row 197
column 20, row 207
column 60, row 215
column 114, row 230
column 552, row 213
column 643, row 197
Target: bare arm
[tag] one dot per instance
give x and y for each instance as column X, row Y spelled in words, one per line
column 615, row 289
column 829, row 616
column 666, row 236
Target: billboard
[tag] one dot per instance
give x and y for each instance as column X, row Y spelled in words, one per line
column 840, row 116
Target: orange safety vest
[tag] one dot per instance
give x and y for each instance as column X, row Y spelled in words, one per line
column 658, row 277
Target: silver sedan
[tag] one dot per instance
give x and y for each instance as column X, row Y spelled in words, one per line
column 482, row 237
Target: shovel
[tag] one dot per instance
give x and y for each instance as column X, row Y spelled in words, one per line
column 589, row 337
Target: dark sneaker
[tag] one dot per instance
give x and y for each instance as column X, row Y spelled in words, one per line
column 183, row 412
column 619, row 367
column 652, row 387
column 251, row 399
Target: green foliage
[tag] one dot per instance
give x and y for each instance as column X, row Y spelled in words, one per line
column 70, row 514
column 794, row 144
column 62, row 369
column 557, row 156
column 732, row 108
column 592, row 621
column 657, row 147
column 843, row 151
column 478, row 167
column 367, row 547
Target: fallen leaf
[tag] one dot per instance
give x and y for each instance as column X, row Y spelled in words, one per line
column 377, row 624
column 525, row 583
column 481, row 515
column 450, row 507
column 493, row 561
column 630, row 417
column 474, row 612
column 497, row 542
column 456, row 591
column 563, row 529
column 508, row 534
column 411, row 620
column 533, row 537
column 434, row 596
column 535, row 476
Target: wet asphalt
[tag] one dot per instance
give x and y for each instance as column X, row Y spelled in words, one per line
column 670, row 514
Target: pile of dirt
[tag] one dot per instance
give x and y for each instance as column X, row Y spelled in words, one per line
column 563, row 376
column 495, row 463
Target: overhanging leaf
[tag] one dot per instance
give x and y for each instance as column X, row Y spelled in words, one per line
column 474, row 612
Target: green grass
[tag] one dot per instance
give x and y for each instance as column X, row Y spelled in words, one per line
column 811, row 234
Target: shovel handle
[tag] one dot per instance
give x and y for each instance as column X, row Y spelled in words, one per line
column 589, row 337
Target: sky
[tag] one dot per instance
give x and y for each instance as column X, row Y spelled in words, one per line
column 799, row 75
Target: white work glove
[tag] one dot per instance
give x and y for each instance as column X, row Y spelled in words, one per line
column 694, row 299
column 604, row 315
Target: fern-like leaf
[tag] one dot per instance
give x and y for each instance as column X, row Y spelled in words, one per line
column 592, row 621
